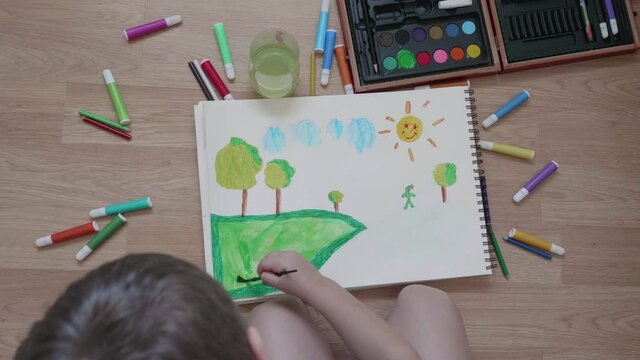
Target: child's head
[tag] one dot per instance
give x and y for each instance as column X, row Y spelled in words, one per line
column 140, row 307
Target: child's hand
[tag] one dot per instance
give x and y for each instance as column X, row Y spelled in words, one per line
column 300, row 283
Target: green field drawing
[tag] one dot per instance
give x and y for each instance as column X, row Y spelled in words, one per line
column 240, row 242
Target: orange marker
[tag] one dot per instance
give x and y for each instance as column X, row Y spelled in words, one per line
column 345, row 74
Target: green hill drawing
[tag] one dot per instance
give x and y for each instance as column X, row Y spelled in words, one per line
column 240, row 242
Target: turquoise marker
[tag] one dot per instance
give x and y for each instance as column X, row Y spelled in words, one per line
column 123, row 207
column 223, row 45
column 506, row 108
column 116, row 98
column 323, row 23
column 102, row 236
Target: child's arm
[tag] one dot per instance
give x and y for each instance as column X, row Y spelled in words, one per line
column 363, row 332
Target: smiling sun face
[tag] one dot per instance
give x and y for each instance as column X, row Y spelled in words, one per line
column 410, row 128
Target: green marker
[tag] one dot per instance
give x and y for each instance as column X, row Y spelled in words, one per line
column 102, row 236
column 123, row 207
column 496, row 248
column 105, row 121
column 223, row 45
column 116, row 98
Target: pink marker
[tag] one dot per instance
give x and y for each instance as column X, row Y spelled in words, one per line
column 144, row 29
column 536, row 180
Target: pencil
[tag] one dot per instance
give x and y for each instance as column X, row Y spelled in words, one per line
column 312, row 74
column 534, row 250
column 194, row 70
column 243, row 280
column 123, row 134
column 496, row 248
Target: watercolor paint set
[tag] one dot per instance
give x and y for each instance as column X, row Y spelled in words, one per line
column 395, row 43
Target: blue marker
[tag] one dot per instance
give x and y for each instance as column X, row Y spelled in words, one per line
column 327, row 59
column 322, row 26
column 506, row 108
column 534, row 250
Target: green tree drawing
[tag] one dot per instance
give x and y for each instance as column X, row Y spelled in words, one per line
column 445, row 175
column 336, row 198
column 237, row 165
column 277, row 175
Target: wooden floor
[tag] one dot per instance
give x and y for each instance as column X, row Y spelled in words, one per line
column 54, row 169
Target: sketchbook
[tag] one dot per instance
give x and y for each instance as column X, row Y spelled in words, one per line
column 373, row 189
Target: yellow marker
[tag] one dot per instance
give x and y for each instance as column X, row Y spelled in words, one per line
column 535, row 241
column 519, row 152
column 312, row 75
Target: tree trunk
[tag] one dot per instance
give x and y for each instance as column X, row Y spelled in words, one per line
column 277, row 201
column 245, row 194
column 444, row 194
column 335, row 207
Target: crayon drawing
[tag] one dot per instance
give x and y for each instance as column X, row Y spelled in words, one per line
column 306, row 132
column 240, row 242
column 335, row 129
column 410, row 129
column 445, row 175
column 318, row 175
column 274, row 140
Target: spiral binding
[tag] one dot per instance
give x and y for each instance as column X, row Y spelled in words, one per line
column 483, row 199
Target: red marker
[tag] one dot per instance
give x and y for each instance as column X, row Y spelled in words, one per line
column 82, row 230
column 212, row 74
column 124, row 134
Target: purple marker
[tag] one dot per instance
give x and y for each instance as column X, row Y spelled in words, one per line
column 611, row 14
column 536, row 180
column 144, row 29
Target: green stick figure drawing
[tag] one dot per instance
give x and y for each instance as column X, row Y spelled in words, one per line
column 408, row 195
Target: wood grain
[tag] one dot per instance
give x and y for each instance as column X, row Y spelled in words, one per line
column 54, row 169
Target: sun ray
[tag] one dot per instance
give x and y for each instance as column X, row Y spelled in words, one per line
column 432, row 142
column 407, row 107
column 424, row 105
column 411, row 155
column 389, row 118
column 395, row 147
column 384, row 132
column 437, row 122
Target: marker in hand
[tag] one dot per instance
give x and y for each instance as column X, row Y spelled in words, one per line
column 240, row 279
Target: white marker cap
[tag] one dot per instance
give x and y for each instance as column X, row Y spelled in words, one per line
column 348, row 89
column 452, row 4
column 521, row 194
column 557, row 249
column 229, row 97
column 83, row 253
column 44, row 241
column 99, row 212
column 492, row 119
column 231, row 73
column 614, row 26
column 108, row 76
column 324, row 77
column 604, row 31
column 172, row 20
column 485, row 145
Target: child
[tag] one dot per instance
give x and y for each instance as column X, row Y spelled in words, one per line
column 158, row 307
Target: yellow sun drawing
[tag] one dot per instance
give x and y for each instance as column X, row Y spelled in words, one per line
column 410, row 128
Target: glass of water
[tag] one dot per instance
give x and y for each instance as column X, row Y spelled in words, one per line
column 274, row 68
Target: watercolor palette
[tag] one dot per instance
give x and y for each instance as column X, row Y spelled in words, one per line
column 395, row 40
column 402, row 43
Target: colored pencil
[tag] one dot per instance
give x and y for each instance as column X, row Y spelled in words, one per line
column 312, row 75
column 242, row 280
column 496, row 248
column 534, row 250
column 102, row 126
column 205, row 91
